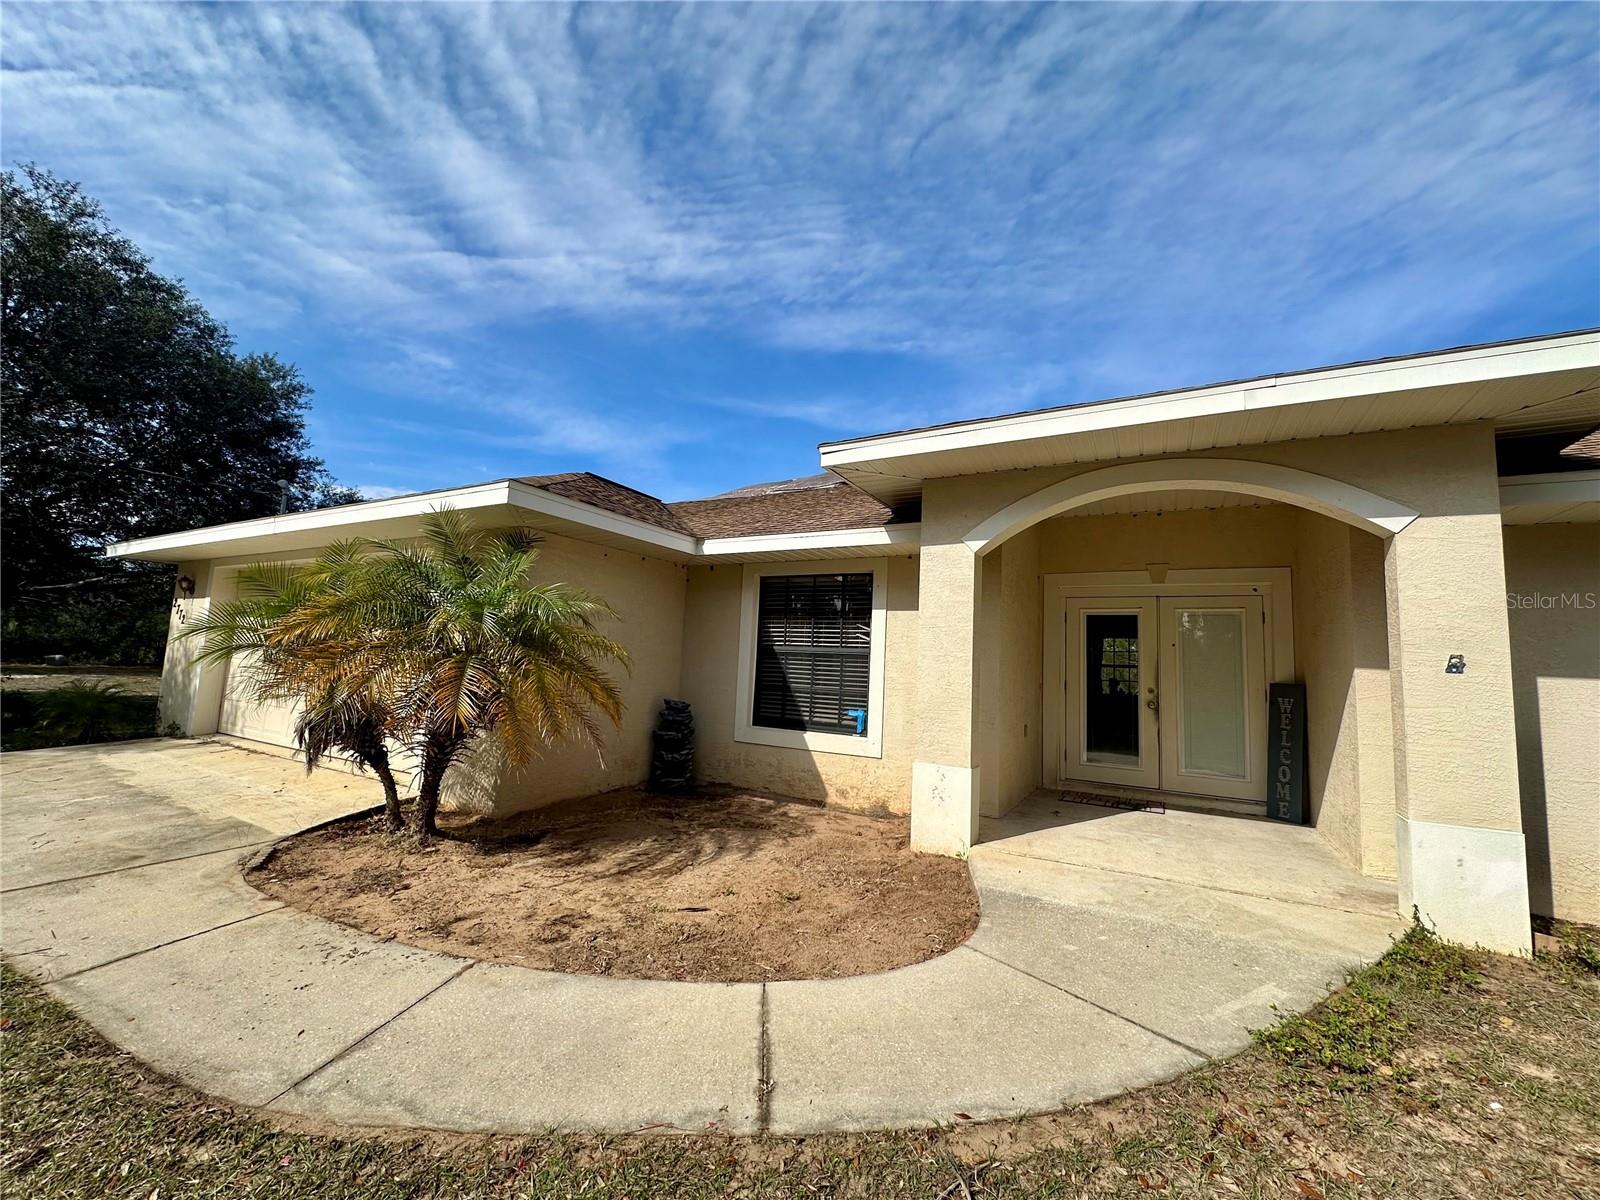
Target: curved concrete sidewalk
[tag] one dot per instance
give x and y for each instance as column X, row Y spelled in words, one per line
column 122, row 892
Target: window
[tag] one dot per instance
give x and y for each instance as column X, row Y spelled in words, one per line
column 811, row 655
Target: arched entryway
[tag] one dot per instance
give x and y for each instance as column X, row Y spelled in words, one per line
column 1387, row 594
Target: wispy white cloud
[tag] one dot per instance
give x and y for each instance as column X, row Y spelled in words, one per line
column 1082, row 198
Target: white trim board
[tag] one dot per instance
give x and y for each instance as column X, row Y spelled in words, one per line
column 1473, row 364
column 1331, row 497
column 868, row 746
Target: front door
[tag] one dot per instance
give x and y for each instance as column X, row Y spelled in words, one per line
column 1167, row 693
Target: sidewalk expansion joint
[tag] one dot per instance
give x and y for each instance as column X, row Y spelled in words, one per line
column 376, row 1029
column 1110, row 1012
column 169, row 942
column 27, row 887
column 764, row 1081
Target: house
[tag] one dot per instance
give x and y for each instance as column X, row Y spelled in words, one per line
column 1099, row 597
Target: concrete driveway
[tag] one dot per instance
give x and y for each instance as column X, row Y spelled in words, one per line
column 1095, row 969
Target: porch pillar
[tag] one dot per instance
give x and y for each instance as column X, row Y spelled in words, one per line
column 944, row 774
column 1458, row 822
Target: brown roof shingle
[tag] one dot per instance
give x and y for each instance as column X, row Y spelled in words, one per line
column 605, row 493
column 1585, row 449
column 838, row 505
column 811, row 505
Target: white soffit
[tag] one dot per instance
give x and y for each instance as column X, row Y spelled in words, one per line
column 506, row 502
column 1531, row 386
column 1562, row 498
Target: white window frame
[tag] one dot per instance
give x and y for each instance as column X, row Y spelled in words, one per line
column 869, row 745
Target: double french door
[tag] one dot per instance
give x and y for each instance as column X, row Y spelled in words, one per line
column 1168, row 693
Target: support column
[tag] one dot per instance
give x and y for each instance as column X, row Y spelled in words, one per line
column 945, row 787
column 1462, row 862
column 190, row 690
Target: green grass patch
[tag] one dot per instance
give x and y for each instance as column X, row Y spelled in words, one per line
column 1354, row 1034
column 76, row 713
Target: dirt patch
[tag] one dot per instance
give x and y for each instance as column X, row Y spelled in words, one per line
column 731, row 887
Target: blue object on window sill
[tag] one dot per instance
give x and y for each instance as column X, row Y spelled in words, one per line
column 860, row 714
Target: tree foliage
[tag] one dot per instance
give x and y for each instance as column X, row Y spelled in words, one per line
column 442, row 642
column 337, row 717
column 127, row 412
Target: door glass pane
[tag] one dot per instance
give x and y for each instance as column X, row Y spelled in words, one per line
column 1211, row 678
column 1111, row 688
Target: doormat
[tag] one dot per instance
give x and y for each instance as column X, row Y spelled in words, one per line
column 1155, row 806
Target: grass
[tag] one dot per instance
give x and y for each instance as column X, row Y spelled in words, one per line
column 1437, row 1072
column 73, row 713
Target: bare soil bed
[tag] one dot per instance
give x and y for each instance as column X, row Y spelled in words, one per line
column 729, row 887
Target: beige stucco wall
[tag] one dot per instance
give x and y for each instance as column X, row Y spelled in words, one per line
column 1456, row 795
column 1448, row 475
column 1553, row 581
column 1012, row 665
column 710, row 639
column 1324, row 630
column 189, row 692
column 1342, row 646
column 1256, row 536
column 648, row 594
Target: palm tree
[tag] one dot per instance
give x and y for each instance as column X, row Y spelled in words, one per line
column 461, row 645
column 281, row 661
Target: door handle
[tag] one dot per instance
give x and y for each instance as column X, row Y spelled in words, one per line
column 1152, row 705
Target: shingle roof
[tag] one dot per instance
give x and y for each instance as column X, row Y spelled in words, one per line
column 811, row 504
column 1585, row 449
column 823, row 505
column 605, row 493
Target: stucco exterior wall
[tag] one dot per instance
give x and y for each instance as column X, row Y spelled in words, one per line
column 190, row 692
column 1324, row 628
column 1013, row 663
column 710, row 640
column 1344, row 661
column 1553, row 601
column 1460, row 854
column 648, row 594
column 1256, row 536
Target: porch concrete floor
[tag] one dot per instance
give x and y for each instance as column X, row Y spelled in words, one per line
column 1251, row 857
column 1109, row 956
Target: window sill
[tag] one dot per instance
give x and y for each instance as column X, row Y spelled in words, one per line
column 817, row 743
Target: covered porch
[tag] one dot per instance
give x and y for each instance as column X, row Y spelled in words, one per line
column 1192, row 583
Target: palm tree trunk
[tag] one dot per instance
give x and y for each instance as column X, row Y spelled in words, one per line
column 391, row 794
column 433, row 768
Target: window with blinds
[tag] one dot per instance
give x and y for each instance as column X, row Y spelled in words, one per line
column 813, row 652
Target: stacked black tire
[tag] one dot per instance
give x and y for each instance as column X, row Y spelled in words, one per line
column 672, row 763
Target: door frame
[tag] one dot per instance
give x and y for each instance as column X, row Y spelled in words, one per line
column 1147, row 771
column 1272, row 584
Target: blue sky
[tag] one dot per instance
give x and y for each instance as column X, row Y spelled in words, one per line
column 680, row 246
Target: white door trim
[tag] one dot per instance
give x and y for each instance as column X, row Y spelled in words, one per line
column 1147, row 771
column 1272, row 584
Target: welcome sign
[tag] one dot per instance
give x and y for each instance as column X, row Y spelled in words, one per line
column 1286, row 752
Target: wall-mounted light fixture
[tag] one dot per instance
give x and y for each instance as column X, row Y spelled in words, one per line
column 186, row 587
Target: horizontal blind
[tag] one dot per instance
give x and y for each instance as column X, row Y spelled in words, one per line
column 813, row 649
